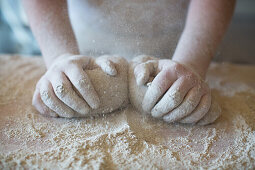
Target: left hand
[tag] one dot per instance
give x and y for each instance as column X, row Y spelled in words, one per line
column 176, row 94
column 66, row 90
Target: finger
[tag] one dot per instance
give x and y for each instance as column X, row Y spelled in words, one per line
column 158, row 87
column 40, row 106
column 143, row 71
column 82, row 83
column 50, row 100
column 200, row 110
column 173, row 97
column 106, row 65
column 142, row 74
column 186, row 107
column 213, row 114
column 82, row 60
column 64, row 91
column 142, row 58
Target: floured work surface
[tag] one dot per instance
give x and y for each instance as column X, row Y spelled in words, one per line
column 125, row 139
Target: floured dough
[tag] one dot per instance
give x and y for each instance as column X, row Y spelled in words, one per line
column 137, row 92
column 112, row 90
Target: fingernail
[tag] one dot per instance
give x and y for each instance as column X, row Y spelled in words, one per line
column 154, row 112
column 145, row 107
column 53, row 114
column 96, row 103
column 139, row 79
column 111, row 71
column 84, row 110
column 168, row 119
column 68, row 114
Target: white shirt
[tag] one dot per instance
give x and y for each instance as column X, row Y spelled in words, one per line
column 128, row 27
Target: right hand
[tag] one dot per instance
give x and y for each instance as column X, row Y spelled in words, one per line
column 65, row 90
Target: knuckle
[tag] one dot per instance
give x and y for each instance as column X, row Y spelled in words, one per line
column 177, row 66
column 167, row 68
column 55, row 67
column 175, row 94
column 52, row 70
column 73, row 60
column 167, row 74
column 191, row 103
column 191, row 77
column 82, row 83
column 45, row 93
column 61, row 90
column 177, row 98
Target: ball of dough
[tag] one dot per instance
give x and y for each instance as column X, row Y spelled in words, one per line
column 112, row 90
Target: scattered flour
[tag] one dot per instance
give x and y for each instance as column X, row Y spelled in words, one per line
column 125, row 139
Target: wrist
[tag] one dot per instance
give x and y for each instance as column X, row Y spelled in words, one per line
column 49, row 60
column 197, row 67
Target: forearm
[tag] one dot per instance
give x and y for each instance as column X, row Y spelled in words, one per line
column 206, row 24
column 51, row 26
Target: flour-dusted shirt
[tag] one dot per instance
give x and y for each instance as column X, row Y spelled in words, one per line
column 128, row 27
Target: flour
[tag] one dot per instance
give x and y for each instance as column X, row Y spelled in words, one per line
column 125, row 139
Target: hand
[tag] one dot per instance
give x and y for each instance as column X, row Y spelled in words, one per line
column 65, row 90
column 176, row 94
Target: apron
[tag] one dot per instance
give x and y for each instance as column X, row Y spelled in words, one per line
column 128, row 27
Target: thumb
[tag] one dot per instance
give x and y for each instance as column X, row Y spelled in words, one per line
column 106, row 65
column 144, row 71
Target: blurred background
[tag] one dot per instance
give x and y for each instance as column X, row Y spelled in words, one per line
column 238, row 45
column 15, row 34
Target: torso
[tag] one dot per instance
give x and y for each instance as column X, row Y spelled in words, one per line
column 128, row 27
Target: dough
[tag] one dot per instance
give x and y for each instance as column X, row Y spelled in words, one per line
column 136, row 93
column 112, row 90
